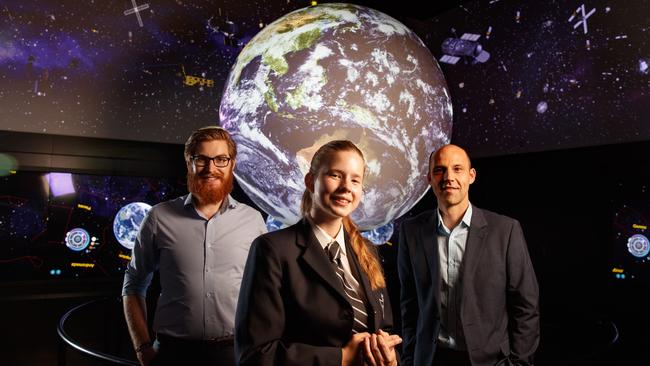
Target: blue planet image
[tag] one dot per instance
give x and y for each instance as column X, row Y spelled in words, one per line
column 77, row 239
column 127, row 223
column 328, row 72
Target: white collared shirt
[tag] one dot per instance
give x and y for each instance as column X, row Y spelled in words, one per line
column 451, row 249
column 324, row 240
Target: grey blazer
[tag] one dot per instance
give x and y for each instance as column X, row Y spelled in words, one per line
column 499, row 311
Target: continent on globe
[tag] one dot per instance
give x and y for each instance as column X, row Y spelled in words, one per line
column 336, row 71
column 127, row 223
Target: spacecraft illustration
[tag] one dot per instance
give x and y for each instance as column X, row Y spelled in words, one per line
column 231, row 35
column 466, row 46
column 190, row 80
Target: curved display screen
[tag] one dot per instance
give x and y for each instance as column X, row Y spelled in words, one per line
column 523, row 76
column 63, row 225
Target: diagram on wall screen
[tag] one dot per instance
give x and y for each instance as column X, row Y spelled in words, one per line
column 63, row 225
column 631, row 239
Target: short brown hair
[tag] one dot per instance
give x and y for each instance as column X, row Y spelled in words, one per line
column 209, row 133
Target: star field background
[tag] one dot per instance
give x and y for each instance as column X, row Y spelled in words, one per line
column 87, row 69
column 548, row 85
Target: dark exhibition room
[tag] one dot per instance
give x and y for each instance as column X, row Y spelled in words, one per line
column 549, row 102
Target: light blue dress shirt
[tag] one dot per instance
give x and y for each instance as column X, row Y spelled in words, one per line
column 201, row 263
column 451, row 248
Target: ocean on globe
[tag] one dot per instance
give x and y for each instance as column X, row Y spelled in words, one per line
column 336, row 71
column 127, row 223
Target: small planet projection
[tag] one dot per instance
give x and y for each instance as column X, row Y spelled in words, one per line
column 638, row 245
column 127, row 223
column 77, row 239
column 336, row 71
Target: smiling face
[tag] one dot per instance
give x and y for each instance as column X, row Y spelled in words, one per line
column 208, row 183
column 337, row 187
column 450, row 175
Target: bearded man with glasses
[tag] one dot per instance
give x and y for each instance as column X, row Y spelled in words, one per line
column 199, row 243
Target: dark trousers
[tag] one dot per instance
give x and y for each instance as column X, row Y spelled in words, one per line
column 450, row 357
column 176, row 351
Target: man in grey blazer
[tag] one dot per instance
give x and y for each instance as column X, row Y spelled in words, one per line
column 469, row 295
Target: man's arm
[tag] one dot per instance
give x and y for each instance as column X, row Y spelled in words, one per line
column 522, row 300
column 137, row 278
column 135, row 312
column 408, row 299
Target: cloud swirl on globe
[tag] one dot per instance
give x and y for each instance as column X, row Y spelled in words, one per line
column 336, row 71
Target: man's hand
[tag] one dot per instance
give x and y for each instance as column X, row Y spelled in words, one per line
column 146, row 356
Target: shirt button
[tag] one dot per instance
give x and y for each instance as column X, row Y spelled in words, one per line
column 207, row 295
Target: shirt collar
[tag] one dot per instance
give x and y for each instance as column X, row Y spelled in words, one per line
column 228, row 203
column 465, row 221
column 324, row 239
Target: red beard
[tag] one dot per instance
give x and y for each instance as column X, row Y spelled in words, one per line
column 210, row 192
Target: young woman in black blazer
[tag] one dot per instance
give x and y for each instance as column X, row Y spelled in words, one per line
column 314, row 293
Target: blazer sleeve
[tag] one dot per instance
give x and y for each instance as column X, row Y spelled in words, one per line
column 260, row 316
column 522, row 298
column 408, row 299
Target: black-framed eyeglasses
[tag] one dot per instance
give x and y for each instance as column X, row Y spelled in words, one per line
column 201, row 161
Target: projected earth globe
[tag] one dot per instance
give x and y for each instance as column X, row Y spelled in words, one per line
column 127, row 223
column 336, row 71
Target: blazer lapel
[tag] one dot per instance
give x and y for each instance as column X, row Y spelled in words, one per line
column 315, row 257
column 429, row 243
column 474, row 246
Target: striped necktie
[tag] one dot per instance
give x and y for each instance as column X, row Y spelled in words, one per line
column 359, row 308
